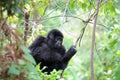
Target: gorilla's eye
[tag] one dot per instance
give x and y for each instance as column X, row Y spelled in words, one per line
column 58, row 39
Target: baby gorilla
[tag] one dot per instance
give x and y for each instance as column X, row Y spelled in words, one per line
column 49, row 51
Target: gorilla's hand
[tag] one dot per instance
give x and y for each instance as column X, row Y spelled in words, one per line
column 73, row 49
column 70, row 53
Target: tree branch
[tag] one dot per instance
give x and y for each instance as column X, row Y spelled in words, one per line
column 93, row 42
column 64, row 14
column 26, row 15
column 83, row 29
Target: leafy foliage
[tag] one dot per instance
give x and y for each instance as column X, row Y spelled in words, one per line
column 53, row 75
column 69, row 16
column 11, row 6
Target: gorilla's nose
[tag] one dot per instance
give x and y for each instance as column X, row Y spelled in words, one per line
column 58, row 43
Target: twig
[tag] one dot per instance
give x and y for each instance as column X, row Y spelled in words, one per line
column 4, row 22
column 101, row 25
column 61, row 75
column 26, row 15
column 9, row 31
column 64, row 14
column 91, row 3
column 99, row 57
column 57, row 7
column 83, row 29
column 1, row 13
column 81, row 35
column 93, row 42
column 45, row 10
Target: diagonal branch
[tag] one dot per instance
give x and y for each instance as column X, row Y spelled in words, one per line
column 83, row 29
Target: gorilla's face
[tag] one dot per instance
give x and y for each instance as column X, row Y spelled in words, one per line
column 58, row 42
column 55, row 39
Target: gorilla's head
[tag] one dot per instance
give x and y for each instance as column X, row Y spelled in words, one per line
column 55, row 38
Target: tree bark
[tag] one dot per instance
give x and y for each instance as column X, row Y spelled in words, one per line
column 93, row 42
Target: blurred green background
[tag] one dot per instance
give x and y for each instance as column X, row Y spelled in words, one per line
column 70, row 17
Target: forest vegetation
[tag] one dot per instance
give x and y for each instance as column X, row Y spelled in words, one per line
column 91, row 25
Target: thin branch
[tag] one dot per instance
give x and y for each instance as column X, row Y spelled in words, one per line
column 50, row 18
column 45, row 10
column 101, row 25
column 83, row 29
column 61, row 16
column 99, row 57
column 57, row 7
column 93, row 42
column 26, row 16
column 4, row 22
column 64, row 14
column 1, row 13
column 91, row 3
column 81, row 35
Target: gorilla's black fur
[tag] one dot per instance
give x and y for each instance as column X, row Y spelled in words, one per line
column 50, row 52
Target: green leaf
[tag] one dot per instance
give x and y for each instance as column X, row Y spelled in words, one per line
column 33, row 75
column 21, row 62
column 84, row 6
column 31, row 68
column 13, row 70
column 27, row 55
column 43, row 32
column 26, row 50
column 20, row 31
column 117, row 73
column 117, row 4
column 38, row 67
column 42, row 11
column 112, row 42
column 29, row 58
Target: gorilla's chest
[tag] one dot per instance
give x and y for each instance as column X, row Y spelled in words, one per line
column 51, row 55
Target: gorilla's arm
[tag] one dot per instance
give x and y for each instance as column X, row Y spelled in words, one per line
column 35, row 47
column 36, row 43
column 70, row 53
